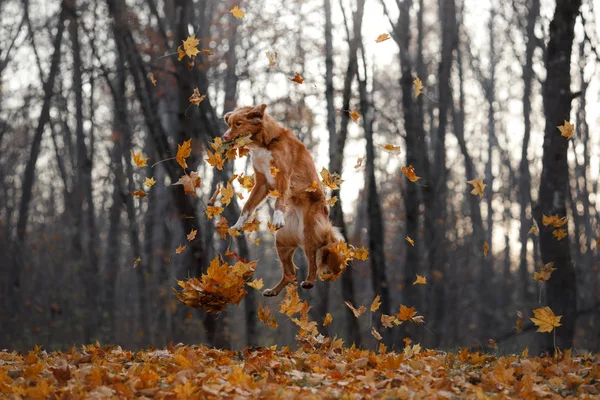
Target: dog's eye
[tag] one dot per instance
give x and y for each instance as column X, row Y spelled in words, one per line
column 238, row 123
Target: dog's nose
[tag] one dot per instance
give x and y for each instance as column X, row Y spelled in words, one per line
column 227, row 136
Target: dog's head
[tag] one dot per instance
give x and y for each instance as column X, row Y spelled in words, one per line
column 244, row 121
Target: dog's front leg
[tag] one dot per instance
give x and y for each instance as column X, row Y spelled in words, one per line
column 257, row 196
column 282, row 185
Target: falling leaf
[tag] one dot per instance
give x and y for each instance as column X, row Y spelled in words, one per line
column 375, row 304
column 215, row 159
column 421, row 280
column 409, row 240
column 382, row 38
column 418, row 86
column 290, row 304
column 545, row 319
column 273, row 58
column 236, row 12
column 227, row 194
column 264, row 314
column 222, row 228
column 332, row 181
column 151, row 76
column 409, row 172
column 406, row 313
column 149, row 182
column 407, row 341
column 137, row 262
column 180, row 53
column 196, row 98
column 486, row 248
column 534, row 230
column 192, row 235
column 189, row 46
column 332, row 201
column 545, row 273
column 256, row 284
column 274, row 171
column 138, row 159
column 361, row 253
column 390, row 148
column 357, row 312
column 554, row 221
column 328, row 319
column 212, row 211
column 190, row 183
column 519, row 323
column 478, row 187
column 312, row 187
column 139, row 193
column 359, row 162
column 272, row 228
column 247, row 181
column 297, row 78
column 183, row 151
column 388, row 320
column 180, row 249
column 375, row 334
column 355, row 116
column 274, row 193
column 559, row 234
column 567, row 129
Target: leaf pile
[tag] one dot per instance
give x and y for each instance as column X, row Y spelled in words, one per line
column 328, row 371
column 220, row 286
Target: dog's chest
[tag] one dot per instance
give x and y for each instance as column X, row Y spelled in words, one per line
column 261, row 161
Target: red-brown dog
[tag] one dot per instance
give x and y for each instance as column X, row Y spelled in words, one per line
column 301, row 216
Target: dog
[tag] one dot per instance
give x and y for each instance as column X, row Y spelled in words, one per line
column 301, row 216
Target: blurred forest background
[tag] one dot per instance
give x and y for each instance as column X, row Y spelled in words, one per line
column 76, row 99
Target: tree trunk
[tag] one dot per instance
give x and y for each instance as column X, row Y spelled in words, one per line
column 561, row 289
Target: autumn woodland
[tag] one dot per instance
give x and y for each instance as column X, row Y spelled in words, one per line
column 454, row 140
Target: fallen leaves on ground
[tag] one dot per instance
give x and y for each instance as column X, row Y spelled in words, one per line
column 329, row 370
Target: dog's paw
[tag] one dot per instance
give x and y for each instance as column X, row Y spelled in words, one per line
column 278, row 219
column 269, row 293
column 307, row 285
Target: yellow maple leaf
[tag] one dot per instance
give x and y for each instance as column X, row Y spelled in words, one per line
column 406, row 313
column 312, row 187
column 273, row 57
column 418, row 86
column 409, row 172
column 180, row 53
column 192, row 235
column 361, row 253
column 274, row 171
column 274, row 193
column 421, row 280
column 486, row 248
column 545, row 273
column 196, row 98
column 151, row 77
column 382, row 38
column 328, row 319
column 180, row 249
column 545, row 319
column 355, row 116
column 190, row 183
column 272, row 228
column 222, row 228
column 390, row 148
column 332, row 201
column 189, row 46
column 388, row 320
column 409, row 240
column 138, row 159
column 566, row 129
column 265, row 316
column 183, row 151
column 236, row 12
column 247, row 181
column 478, row 187
column 376, row 303
column 137, row 262
column 559, row 234
column 297, row 78
column 227, row 194
column 216, row 143
column 534, row 230
column 554, row 221
column 233, row 232
column 149, row 182
column 332, row 181
column 215, row 159
column 290, row 304
column 357, row 312
column 139, row 193
column 256, row 284
column 375, row 334
column 212, row 211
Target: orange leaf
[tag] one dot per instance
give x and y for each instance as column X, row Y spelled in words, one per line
column 409, row 240
column 190, row 183
column 138, row 159
column 297, row 78
column 183, row 151
column 192, row 235
column 180, row 249
column 478, row 187
column 236, row 12
column 328, row 319
column 357, row 312
column 139, row 193
column 376, row 303
column 409, row 172
column 196, row 98
column 567, row 129
column 545, row 319
column 421, row 280
column 382, row 38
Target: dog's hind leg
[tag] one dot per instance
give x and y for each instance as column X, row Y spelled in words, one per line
column 286, row 257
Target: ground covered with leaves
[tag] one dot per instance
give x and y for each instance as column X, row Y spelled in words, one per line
column 323, row 368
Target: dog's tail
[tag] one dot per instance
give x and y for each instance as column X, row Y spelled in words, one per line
column 327, row 257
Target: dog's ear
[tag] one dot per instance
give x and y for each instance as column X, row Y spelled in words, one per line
column 227, row 116
column 257, row 112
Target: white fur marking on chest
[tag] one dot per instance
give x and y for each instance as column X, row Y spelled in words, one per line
column 261, row 160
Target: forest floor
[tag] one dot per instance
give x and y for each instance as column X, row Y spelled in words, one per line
column 328, row 371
